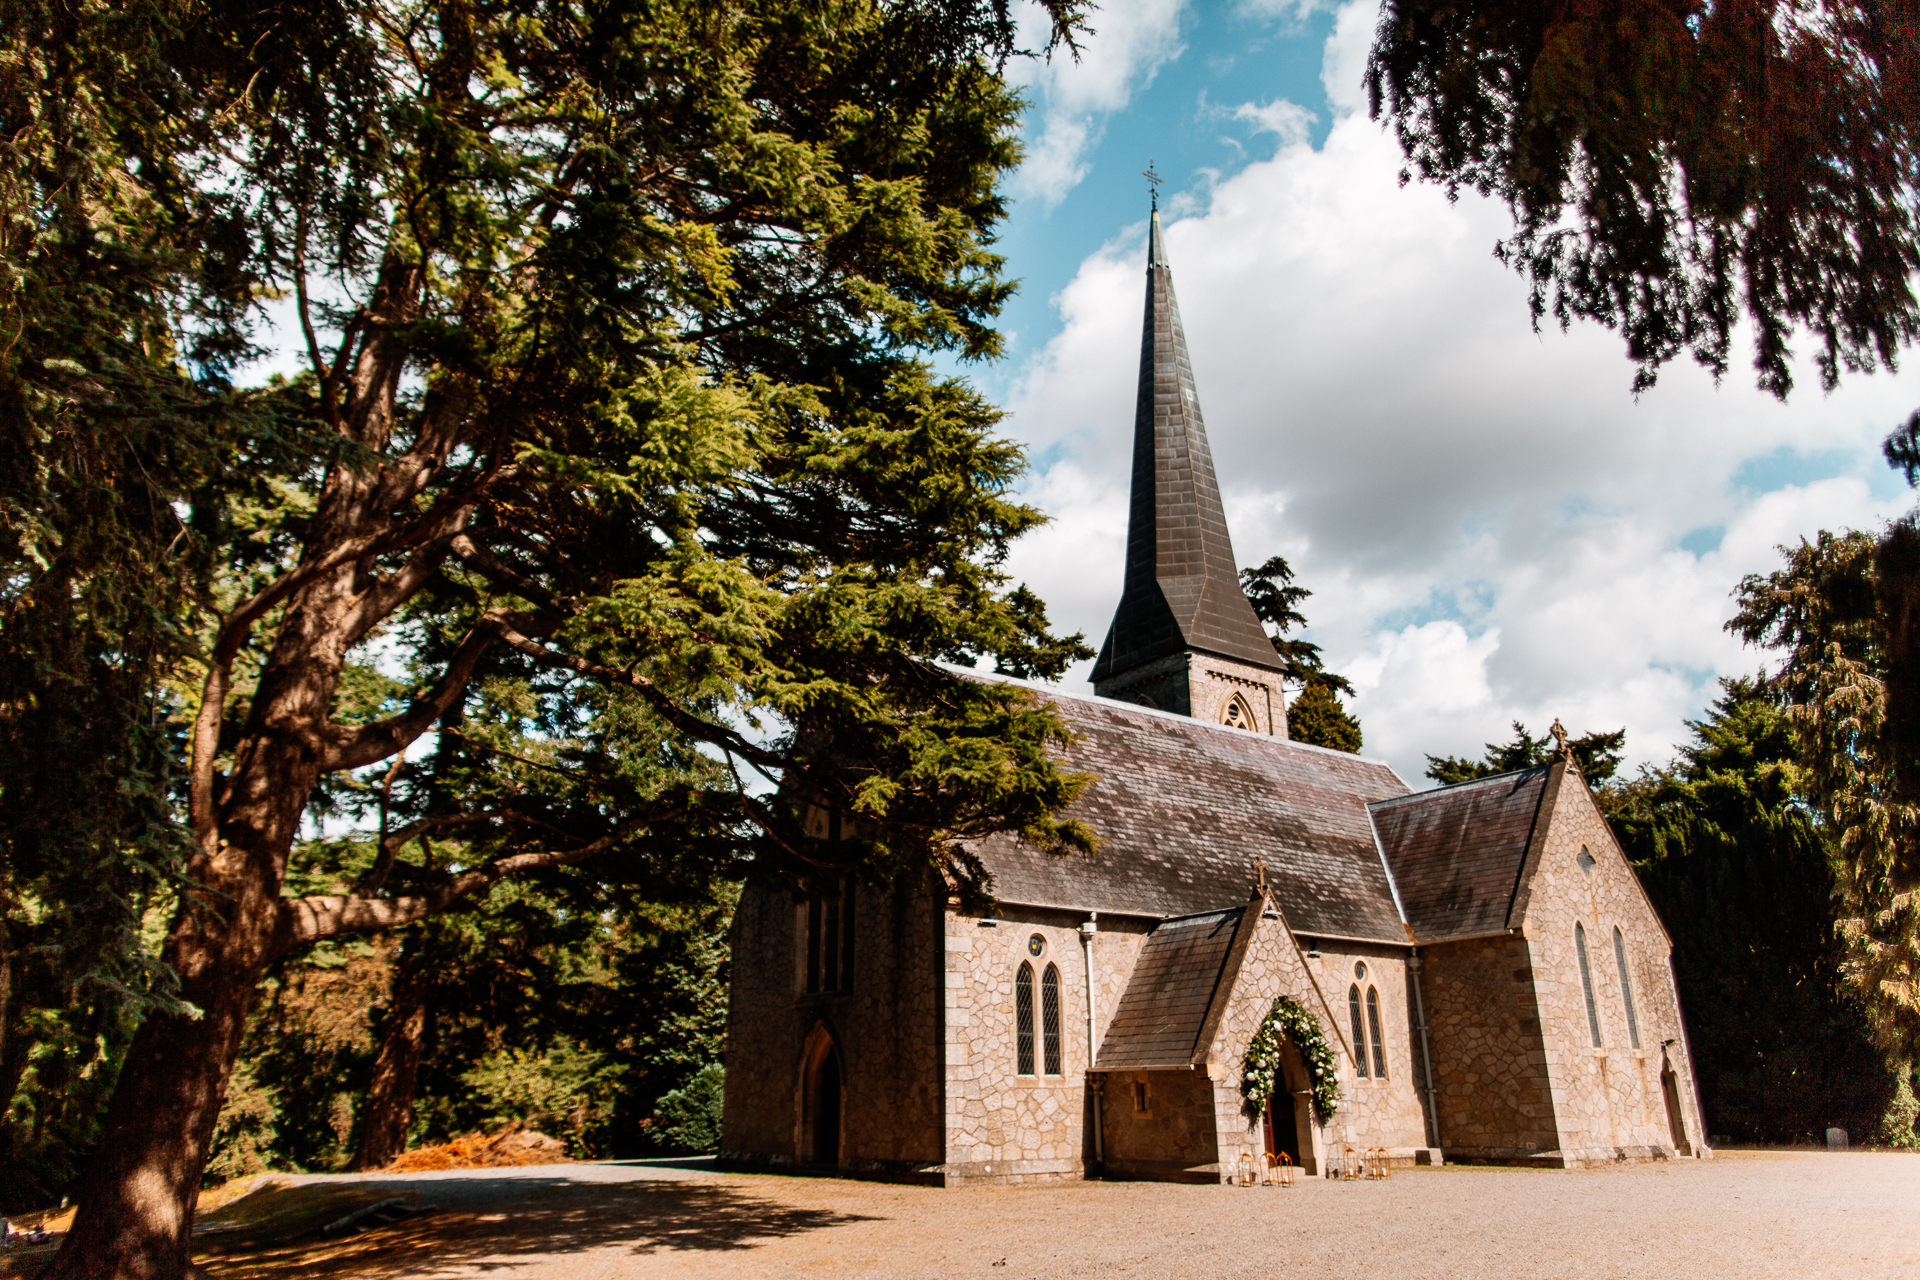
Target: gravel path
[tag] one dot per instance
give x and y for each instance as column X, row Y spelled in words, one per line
column 1789, row 1214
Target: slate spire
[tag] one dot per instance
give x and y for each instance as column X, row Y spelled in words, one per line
column 1182, row 590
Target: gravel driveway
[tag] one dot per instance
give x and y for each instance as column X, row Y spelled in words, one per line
column 1790, row 1214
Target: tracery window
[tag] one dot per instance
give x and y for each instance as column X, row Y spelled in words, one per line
column 1626, row 986
column 1237, row 715
column 830, row 939
column 1359, row 1031
column 1050, row 1019
column 1373, row 1034
column 1586, row 981
column 1023, row 1019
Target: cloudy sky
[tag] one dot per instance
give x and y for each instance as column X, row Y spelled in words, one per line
column 1493, row 527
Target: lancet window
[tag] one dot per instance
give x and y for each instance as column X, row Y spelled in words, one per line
column 830, row 939
column 1626, row 986
column 1359, row 1031
column 1586, row 981
column 1023, row 1019
column 1373, row 1034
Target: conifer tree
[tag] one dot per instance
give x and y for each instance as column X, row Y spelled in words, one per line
column 1677, row 167
column 1315, row 713
column 615, row 466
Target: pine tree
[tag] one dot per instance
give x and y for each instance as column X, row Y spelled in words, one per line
column 617, row 464
column 1316, row 716
column 1677, row 169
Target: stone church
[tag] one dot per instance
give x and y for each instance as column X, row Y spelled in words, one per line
column 1491, row 980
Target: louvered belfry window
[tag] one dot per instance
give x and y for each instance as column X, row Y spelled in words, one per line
column 1626, row 987
column 1359, row 1031
column 1050, row 1018
column 1373, row 1033
column 1023, row 1019
column 1586, row 981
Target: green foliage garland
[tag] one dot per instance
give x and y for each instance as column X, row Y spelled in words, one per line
column 1289, row 1019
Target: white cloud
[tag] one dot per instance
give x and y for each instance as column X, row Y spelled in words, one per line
column 1073, row 97
column 1288, row 121
column 1490, row 521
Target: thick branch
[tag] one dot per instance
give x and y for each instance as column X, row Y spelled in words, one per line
column 354, row 748
column 671, row 711
column 305, row 920
column 206, row 745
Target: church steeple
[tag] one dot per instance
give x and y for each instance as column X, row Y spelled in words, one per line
column 1184, row 631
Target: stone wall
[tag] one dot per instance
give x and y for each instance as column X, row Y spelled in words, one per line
column 1200, row 685
column 1002, row 1126
column 1609, row 1101
column 885, row 1026
column 1373, row 1113
column 1174, row 1139
column 1489, row 1059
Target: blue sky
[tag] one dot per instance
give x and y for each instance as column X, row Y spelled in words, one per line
column 1494, row 526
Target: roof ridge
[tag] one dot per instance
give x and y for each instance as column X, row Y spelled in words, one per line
column 1457, row 786
column 1055, row 691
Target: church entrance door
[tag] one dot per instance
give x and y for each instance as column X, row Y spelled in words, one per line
column 826, row 1109
column 1282, row 1121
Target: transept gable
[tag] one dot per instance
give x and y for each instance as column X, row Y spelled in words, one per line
column 1457, row 855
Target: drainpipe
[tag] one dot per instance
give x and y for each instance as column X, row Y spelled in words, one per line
column 1426, row 1054
column 1087, row 930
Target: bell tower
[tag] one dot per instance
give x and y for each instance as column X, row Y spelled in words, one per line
column 1184, row 638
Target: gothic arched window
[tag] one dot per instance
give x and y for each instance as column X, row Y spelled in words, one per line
column 1373, row 1034
column 1626, row 986
column 1238, row 715
column 1586, row 981
column 1050, row 1019
column 1023, row 1019
column 1359, row 1031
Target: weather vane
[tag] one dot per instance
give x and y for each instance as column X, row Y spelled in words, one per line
column 1153, row 182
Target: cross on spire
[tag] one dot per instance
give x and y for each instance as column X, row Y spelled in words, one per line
column 1561, row 749
column 1153, row 182
column 1260, row 874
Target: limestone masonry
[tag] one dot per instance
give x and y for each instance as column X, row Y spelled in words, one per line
column 1481, row 960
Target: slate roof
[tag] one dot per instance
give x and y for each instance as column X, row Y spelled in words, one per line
column 1182, row 588
column 1456, row 853
column 1184, row 807
column 1159, row 1019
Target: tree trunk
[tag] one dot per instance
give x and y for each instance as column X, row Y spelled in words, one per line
column 136, row 1200
column 383, row 1132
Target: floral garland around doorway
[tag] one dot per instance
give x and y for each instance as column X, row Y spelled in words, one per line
column 1289, row 1019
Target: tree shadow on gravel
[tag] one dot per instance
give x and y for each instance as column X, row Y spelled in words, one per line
column 525, row 1219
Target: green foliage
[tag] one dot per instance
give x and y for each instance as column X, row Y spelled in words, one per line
column 618, row 460
column 1741, row 870
column 689, row 1117
column 1674, row 167
column 1289, row 1020
column 1316, row 716
column 569, row 1006
column 1596, row 755
column 1276, row 602
column 1835, row 620
column 565, row 1089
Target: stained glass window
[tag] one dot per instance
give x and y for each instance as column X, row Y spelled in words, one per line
column 1023, row 1020
column 1373, row 1033
column 1359, row 1032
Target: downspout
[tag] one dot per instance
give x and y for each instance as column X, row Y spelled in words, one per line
column 1426, row 1054
column 1087, row 930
